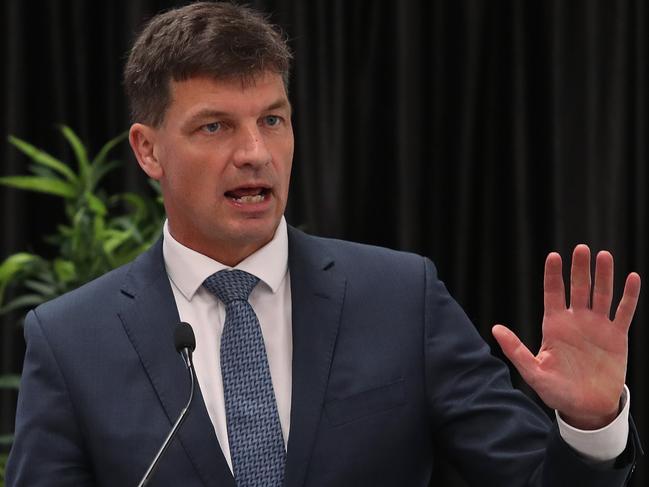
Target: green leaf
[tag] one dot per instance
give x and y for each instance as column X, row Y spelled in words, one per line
column 116, row 239
column 47, row 274
column 43, row 158
column 99, row 224
column 108, row 146
column 99, row 172
column 3, row 463
column 155, row 185
column 22, row 302
column 40, row 185
column 15, row 263
column 130, row 224
column 9, row 381
column 158, row 189
column 65, row 270
column 12, row 265
column 80, row 153
column 46, row 290
column 6, row 440
column 41, row 171
column 137, row 202
column 96, row 205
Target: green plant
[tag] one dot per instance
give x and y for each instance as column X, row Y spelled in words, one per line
column 99, row 231
column 3, row 462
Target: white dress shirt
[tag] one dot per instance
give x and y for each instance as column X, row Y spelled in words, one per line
column 271, row 300
column 602, row 445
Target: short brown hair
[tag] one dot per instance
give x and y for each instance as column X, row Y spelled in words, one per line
column 222, row 40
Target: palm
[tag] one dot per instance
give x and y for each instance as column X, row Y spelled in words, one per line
column 581, row 365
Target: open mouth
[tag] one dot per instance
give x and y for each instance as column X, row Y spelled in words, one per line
column 248, row 195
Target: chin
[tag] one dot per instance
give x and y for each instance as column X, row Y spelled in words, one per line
column 255, row 232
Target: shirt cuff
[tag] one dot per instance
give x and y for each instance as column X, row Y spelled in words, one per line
column 604, row 444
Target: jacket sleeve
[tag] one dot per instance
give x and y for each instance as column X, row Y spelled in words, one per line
column 48, row 446
column 494, row 434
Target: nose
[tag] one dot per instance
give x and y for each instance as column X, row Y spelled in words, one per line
column 251, row 149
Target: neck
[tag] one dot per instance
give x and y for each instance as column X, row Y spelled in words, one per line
column 227, row 253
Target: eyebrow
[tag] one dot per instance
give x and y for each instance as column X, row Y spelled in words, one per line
column 211, row 113
column 281, row 103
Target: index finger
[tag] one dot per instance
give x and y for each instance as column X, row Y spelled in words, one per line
column 554, row 293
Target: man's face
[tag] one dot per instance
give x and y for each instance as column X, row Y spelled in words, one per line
column 223, row 157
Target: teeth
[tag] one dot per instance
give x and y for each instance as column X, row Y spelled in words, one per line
column 250, row 199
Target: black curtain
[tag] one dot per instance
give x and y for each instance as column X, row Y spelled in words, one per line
column 482, row 134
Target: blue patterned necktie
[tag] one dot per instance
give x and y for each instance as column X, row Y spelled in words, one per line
column 254, row 430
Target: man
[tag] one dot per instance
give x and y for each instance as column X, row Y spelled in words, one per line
column 354, row 366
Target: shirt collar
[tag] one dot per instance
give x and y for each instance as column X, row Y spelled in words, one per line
column 187, row 268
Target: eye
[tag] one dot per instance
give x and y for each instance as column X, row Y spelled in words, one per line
column 211, row 127
column 272, row 120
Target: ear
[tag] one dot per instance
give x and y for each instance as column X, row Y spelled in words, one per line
column 142, row 139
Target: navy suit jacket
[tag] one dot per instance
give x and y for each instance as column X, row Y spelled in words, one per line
column 388, row 373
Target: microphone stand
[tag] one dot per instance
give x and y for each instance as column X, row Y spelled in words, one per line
column 187, row 357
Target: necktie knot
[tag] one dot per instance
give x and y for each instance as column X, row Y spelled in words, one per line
column 231, row 285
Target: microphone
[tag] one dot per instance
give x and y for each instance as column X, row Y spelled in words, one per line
column 185, row 344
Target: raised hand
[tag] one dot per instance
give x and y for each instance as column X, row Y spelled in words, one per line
column 581, row 366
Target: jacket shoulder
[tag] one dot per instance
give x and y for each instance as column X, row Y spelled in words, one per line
column 359, row 257
column 101, row 294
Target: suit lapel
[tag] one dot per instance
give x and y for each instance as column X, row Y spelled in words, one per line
column 317, row 294
column 149, row 319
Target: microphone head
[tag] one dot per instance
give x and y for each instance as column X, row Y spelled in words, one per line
column 184, row 337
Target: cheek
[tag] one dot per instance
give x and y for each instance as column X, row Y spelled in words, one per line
column 185, row 169
column 184, row 186
column 285, row 160
column 287, row 174
column 283, row 175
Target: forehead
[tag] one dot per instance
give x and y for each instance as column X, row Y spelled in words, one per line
column 236, row 96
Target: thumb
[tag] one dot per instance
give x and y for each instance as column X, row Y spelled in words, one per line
column 516, row 352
